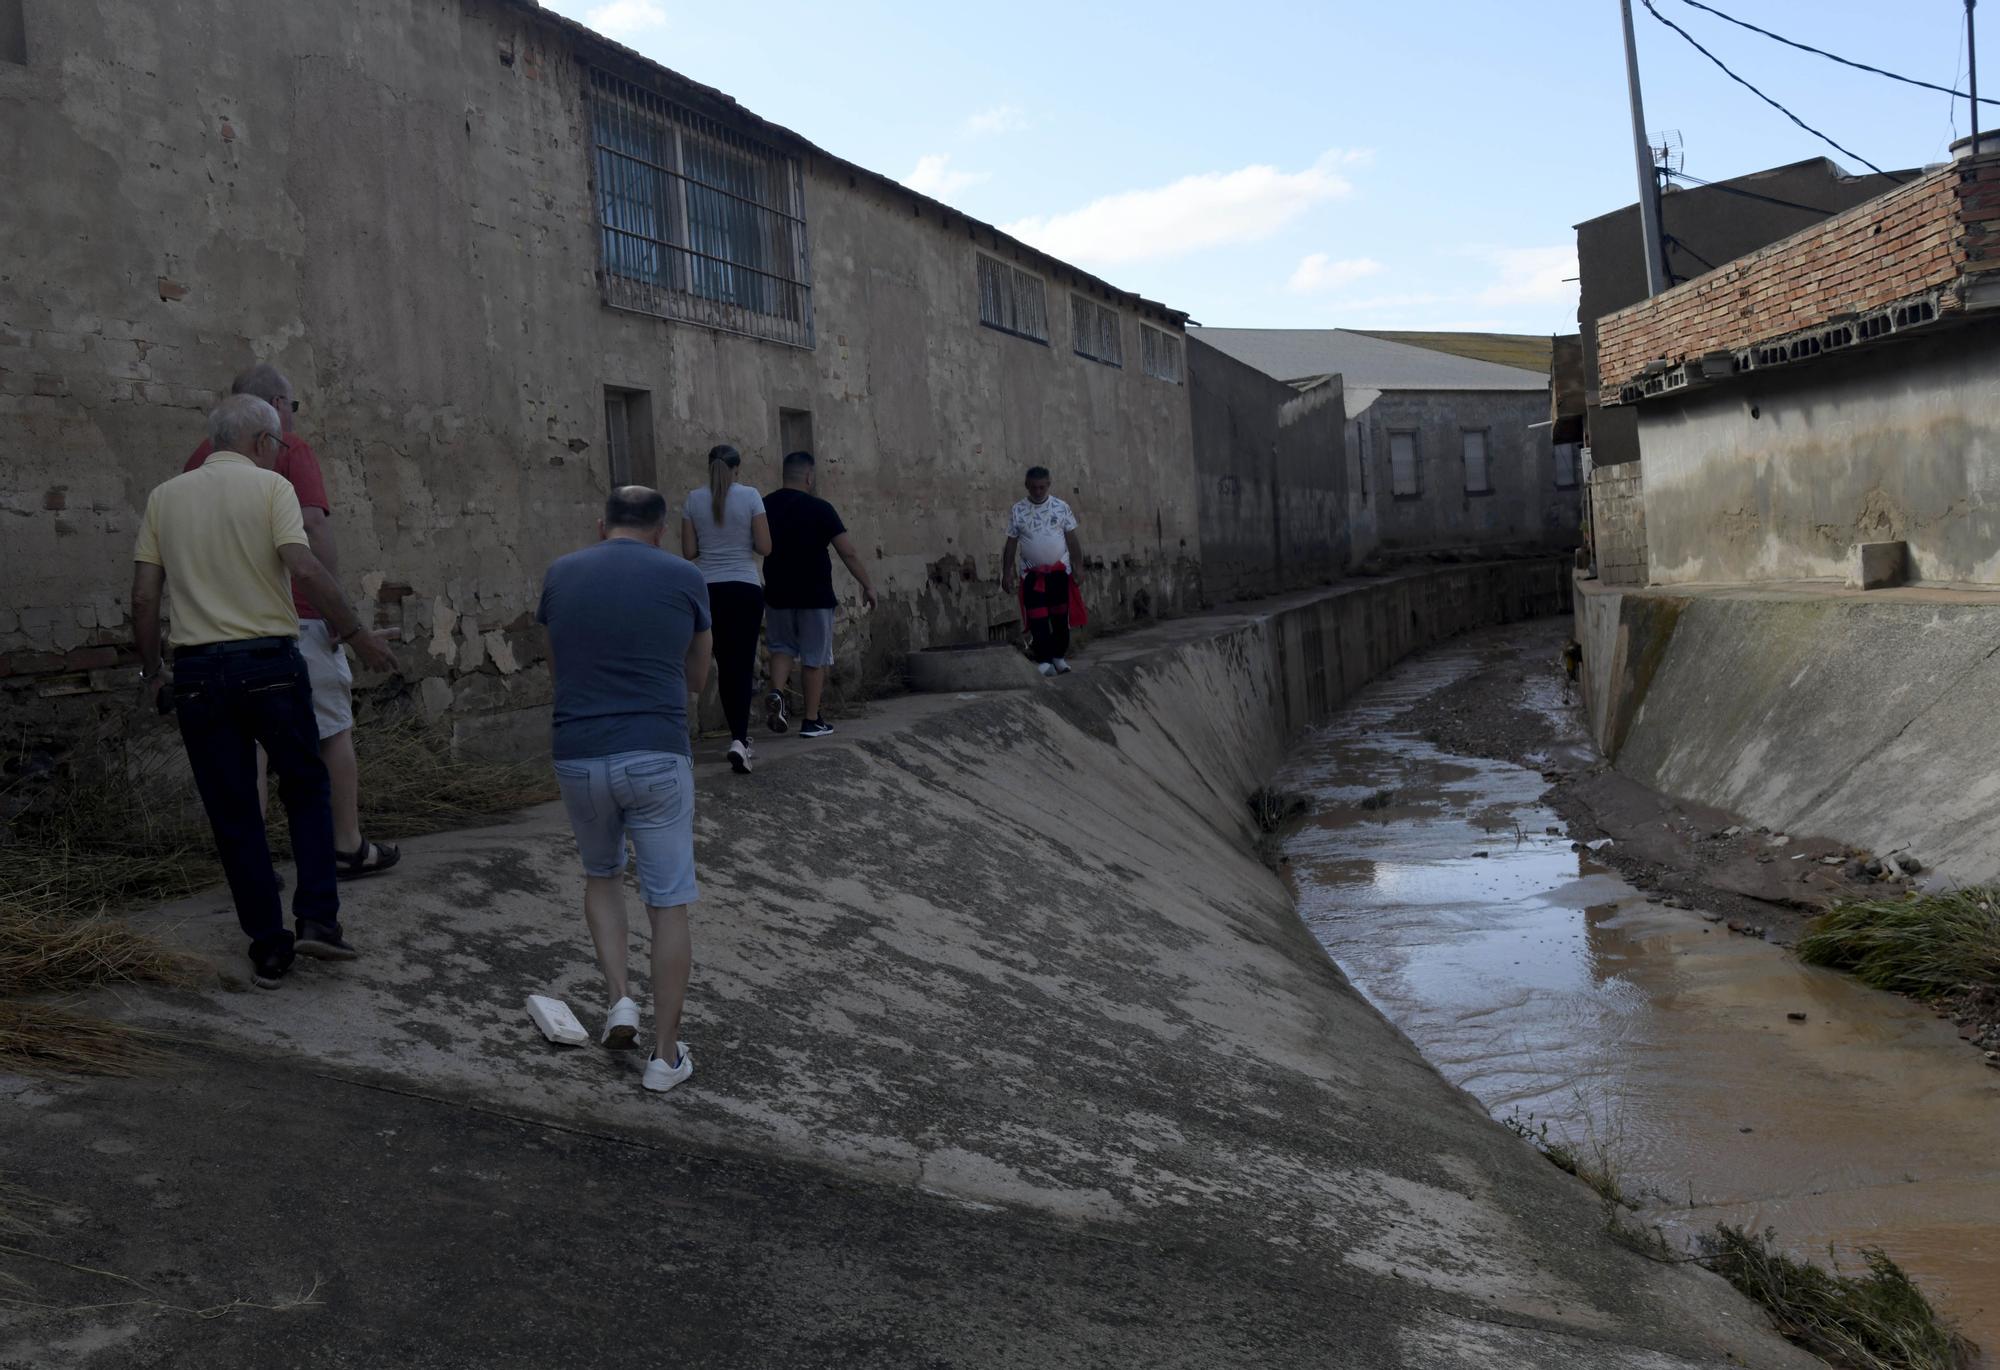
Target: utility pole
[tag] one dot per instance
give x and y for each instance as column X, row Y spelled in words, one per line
column 1649, row 178
column 1972, row 72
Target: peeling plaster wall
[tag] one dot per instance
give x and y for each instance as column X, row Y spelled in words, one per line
column 1524, row 511
column 1776, row 475
column 1272, row 465
column 390, row 199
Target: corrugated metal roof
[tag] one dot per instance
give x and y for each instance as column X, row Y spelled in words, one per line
column 1292, row 354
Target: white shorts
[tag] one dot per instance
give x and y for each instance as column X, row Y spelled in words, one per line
column 332, row 678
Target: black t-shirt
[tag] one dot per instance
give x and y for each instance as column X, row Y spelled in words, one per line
column 798, row 574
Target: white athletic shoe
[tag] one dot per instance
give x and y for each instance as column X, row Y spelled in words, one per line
column 661, row 1077
column 1047, row 668
column 739, row 757
column 621, row 1026
column 1062, row 665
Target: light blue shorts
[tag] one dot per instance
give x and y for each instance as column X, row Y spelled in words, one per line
column 803, row 633
column 646, row 796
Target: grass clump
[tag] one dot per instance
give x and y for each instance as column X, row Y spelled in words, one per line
column 1920, row 944
column 411, row 784
column 1876, row 1320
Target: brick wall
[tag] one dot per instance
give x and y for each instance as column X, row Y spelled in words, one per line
column 1618, row 523
column 1931, row 233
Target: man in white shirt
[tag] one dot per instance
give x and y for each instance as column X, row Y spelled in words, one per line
column 1041, row 541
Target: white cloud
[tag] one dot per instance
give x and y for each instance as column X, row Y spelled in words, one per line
column 622, row 18
column 999, row 119
column 934, row 177
column 1211, row 209
column 1320, row 272
column 1530, row 275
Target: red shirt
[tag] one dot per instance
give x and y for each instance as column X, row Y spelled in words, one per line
column 298, row 465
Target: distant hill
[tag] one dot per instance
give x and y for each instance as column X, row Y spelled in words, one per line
column 1528, row 351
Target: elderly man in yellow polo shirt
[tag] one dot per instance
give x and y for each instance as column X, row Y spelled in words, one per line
column 228, row 539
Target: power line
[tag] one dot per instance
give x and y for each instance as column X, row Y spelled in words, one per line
column 1696, row 45
column 1753, row 195
column 1830, row 56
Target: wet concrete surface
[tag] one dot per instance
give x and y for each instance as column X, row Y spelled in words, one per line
column 1559, row 995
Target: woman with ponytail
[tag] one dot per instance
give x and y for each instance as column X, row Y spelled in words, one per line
column 723, row 532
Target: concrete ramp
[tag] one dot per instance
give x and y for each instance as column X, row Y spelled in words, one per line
column 1014, row 963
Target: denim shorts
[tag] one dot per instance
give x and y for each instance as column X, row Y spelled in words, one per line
column 646, row 796
column 803, row 633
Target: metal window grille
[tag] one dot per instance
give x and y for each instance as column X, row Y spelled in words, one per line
column 697, row 222
column 1160, row 353
column 1478, row 479
column 1096, row 331
column 1011, row 300
column 1405, row 481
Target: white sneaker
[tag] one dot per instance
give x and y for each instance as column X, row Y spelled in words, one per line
column 621, row 1026
column 1047, row 668
column 1062, row 665
column 739, row 757
column 661, row 1077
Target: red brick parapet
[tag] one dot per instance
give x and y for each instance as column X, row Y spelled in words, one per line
column 1938, row 233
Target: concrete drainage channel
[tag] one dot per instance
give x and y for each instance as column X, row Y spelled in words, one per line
column 1708, row 1078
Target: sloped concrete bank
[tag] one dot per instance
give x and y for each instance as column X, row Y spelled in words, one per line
column 1863, row 717
column 994, row 1002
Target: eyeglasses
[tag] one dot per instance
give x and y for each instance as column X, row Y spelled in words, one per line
column 295, row 406
column 272, row 436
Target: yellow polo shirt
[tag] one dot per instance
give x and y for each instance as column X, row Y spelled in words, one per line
column 216, row 531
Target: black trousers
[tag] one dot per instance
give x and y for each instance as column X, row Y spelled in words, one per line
column 228, row 704
column 738, row 610
column 1045, row 600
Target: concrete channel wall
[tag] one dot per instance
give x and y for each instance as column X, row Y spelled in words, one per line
column 1867, row 719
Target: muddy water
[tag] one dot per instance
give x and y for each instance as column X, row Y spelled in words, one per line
column 1558, row 995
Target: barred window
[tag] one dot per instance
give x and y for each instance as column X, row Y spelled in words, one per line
column 1160, row 353
column 1405, row 475
column 1478, row 478
column 698, row 222
column 1011, row 300
column 1095, row 329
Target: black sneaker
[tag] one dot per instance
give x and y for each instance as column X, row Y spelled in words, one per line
column 268, row 969
column 774, row 711
column 315, row 941
column 816, row 727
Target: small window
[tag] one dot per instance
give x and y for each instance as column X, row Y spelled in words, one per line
column 13, row 33
column 1160, row 353
column 1478, row 480
column 1405, row 480
column 1566, row 465
column 795, row 431
column 1012, row 301
column 628, row 436
column 1096, row 331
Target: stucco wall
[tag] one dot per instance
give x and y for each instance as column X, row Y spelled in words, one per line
column 1272, row 466
column 392, row 202
column 1776, row 476
column 1525, row 508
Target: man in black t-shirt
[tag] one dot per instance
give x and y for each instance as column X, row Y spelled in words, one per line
column 798, row 590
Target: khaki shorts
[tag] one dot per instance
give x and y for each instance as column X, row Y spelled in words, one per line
column 332, row 678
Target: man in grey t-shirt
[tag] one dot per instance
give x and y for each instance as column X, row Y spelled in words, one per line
column 630, row 641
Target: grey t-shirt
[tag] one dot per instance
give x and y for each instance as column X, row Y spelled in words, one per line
column 724, row 550
column 620, row 616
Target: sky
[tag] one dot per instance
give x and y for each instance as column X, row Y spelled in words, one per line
column 1308, row 165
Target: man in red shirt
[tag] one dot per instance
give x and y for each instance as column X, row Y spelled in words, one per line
column 332, row 680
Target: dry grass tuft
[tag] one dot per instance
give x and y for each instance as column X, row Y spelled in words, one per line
column 41, row 952
column 1921, row 944
column 1879, row 1320
column 411, row 784
column 38, row 1037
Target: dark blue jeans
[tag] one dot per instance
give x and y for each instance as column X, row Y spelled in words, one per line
column 229, row 703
